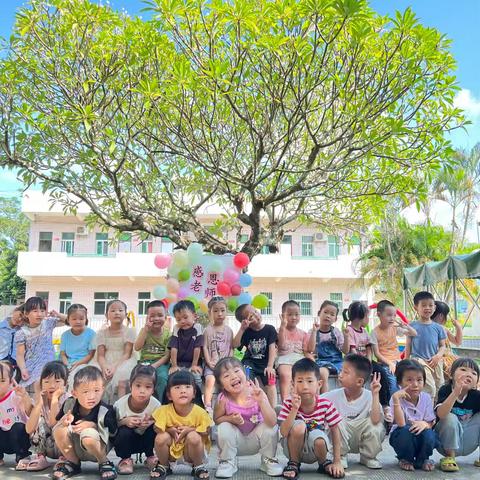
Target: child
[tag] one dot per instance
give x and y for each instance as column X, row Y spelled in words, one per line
column 15, row 406
column 412, row 436
column 327, row 342
column 115, row 350
column 458, row 410
column 247, row 424
column 85, row 427
column 260, row 343
column 135, row 422
column 304, row 417
column 217, row 344
column 362, row 426
column 77, row 345
column 183, row 428
column 292, row 344
column 49, row 395
column 8, row 328
column 428, row 346
column 186, row 342
column 34, row 339
column 152, row 342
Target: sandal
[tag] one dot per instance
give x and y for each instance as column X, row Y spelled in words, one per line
column 150, row 462
column 291, row 467
column 448, row 464
column 66, row 468
column 125, row 466
column 406, row 465
column 38, row 464
column 428, row 465
column 476, row 463
column 22, row 464
column 200, row 472
column 107, row 470
column 162, row 471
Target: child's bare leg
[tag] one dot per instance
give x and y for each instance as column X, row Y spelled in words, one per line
column 295, row 440
column 194, row 449
column 122, row 389
column 64, row 444
column 285, row 374
column 271, row 391
column 96, row 448
column 209, row 386
column 324, row 374
column 320, row 448
column 162, row 447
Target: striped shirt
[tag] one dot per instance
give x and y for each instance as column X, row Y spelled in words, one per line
column 324, row 413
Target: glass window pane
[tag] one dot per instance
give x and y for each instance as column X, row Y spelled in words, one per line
column 338, row 299
column 45, row 242
column 68, row 236
column 243, row 238
column 144, row 295
column 304, row 300
column 307, row 246
column 101, row 236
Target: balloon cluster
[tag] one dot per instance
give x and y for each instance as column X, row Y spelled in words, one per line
column 196, row 276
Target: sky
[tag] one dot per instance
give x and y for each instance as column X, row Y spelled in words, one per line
column 457, row 20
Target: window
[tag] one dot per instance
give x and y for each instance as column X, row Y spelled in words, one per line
column 304, row 300
column 338, row 299
column 65, row 301
column 286, row 245
column 102, row 243
column 125, row 242
column 147, row 246
column 265, row 250
column 244, row 238
column 143, row 301
column 45, row 242
column 333, row 246
column 268, row 310
column 43, row 295
column 307, row 246
column 167, row 245
column 101, row 300
column 68, row 243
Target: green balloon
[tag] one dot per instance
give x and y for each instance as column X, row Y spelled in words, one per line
column 183, row 275
column 232, row 304
column 195, row 302
column 260, row 301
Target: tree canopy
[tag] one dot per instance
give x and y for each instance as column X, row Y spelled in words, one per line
column 277, row 111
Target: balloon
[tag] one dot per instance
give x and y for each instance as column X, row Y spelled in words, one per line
column 260, row 301
column 244, row 298
column 182, row 293
column 241, row 260
column 232, row 304
column 172, row 285
column 236, row 289
column 184, row 275
column 173, row 270
column 245, row 280
column 162, row 260
column 166, row 302
column 203, row 307
column 223, row 288
column 216, row 266
column 160, row 292
column 195, row 301
column 172, row 298
column 230, row 276
column 180, row 258
column 194, row 252
column 170, row 309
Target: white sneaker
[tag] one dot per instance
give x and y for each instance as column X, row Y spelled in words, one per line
column 344, row 461
column 226, row 469
column 372, row 463
column 271, row 467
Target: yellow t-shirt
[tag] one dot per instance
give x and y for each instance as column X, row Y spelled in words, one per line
column 166, row 417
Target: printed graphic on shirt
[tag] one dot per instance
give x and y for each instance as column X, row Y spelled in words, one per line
column 257, row 348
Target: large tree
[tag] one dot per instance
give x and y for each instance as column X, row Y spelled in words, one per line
column 278, row 111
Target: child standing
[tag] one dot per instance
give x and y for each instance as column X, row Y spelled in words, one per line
column 428, row 346
column 115, row 350
column 246, row 421
column 186, row 342
column 85, row 427
column 304, row 417
column 183, row 428
column 34, row 339
column 458, row 410
column 152, row 342
column 292, row 344
column 217, row 344
column 135, row 422
column 260, row 343
column 327, row 342
column 362, row 426
column 50, row 393
column 8, row 328
column 412, row 436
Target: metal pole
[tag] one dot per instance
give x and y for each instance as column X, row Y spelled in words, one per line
column 455, row 313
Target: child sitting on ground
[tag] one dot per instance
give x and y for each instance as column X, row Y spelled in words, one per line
column 261, row 351
column 152, row 342
column 412, row 436
column 135, row 422
column 327, row 342
column 85, row 427
column 292, row 344
column 247, row 424
column 458, row 410
column 428, row 346
column 186, row 342
column 362, row 426
column 304, row 417
column 50, row 393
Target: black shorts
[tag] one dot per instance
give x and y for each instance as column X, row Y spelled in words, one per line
column 256, row 372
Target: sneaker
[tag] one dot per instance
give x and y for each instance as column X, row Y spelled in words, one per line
column 344, row 461
column 226, row 469
column 271, row 467
column 372, row 463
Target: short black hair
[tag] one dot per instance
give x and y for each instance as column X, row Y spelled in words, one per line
column 240, row 310
column 223, row 364
column 87, row 374
column 328, row 303
column 33, row 303
column 422, row 296
column 361, row 364
column 441, row 308
column 183, row 377
column 305, row 365
column 56, row 369
column 289, row 303
column 155, row 303
column 464, row 362
column 382, row 305
column 183, row 305
column 356, row 309
column 408, row 365
column 74, row 307
column 143, row 371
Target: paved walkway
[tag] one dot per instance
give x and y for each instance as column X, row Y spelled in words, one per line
column 249, row 470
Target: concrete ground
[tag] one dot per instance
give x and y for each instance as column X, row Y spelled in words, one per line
column 249, row 469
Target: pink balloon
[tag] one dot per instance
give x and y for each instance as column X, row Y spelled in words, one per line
column 230, row 276
column 172, row 285
column 223, row 288
column 241, row 260
column 162, row 260
column 236, row 289
column 182, row 293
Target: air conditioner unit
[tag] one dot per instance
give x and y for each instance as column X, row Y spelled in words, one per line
column 319, row 237
column 82, row 231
